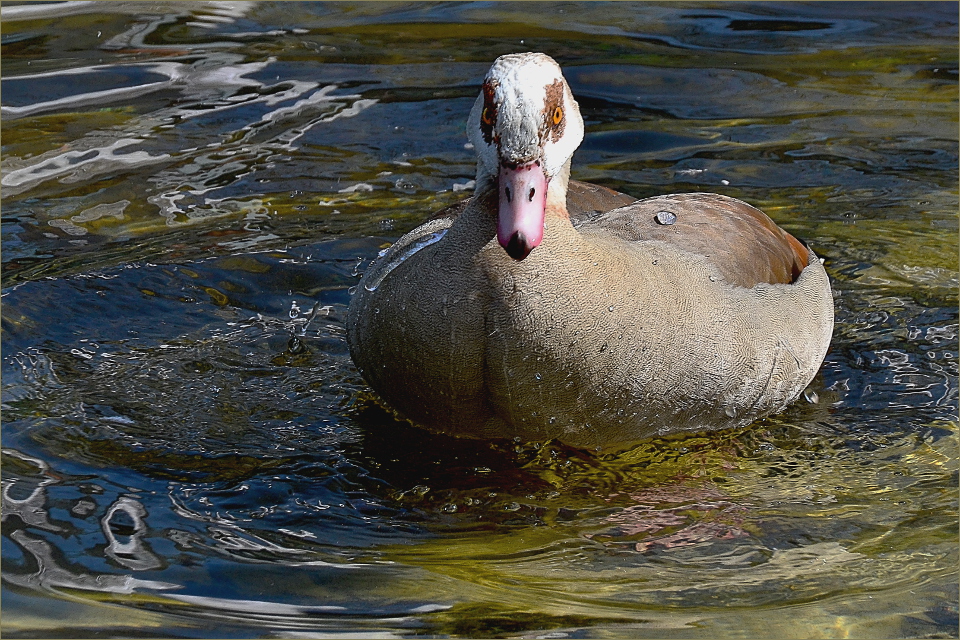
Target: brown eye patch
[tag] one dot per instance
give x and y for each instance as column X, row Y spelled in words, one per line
column 488, row 117
column 554, row 119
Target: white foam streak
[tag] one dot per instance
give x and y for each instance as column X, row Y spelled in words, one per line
column 83, row 99
column 71, row 161
column 261, row 607
column 36, row 11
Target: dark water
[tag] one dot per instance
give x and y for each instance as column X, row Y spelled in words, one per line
column 191, row 189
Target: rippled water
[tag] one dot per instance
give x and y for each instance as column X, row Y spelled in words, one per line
column 191, row 189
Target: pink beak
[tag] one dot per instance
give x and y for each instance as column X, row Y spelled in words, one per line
column 523, row 202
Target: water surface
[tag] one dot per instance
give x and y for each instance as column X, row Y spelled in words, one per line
column 190, row 191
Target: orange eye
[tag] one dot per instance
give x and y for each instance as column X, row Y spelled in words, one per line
column 485, row 116
column 557, row 115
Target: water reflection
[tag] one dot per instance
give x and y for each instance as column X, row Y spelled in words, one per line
column 184, row 179
column 190, row 190
column 30, row 509
column 133, row 553
column 51, row 570
column 52, row 575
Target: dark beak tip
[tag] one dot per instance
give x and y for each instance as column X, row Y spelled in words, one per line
column 518, row 248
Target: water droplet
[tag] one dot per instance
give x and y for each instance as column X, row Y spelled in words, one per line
column 537, row 376
column 610, row 308
column 731, row 412
column 352, row 290
column 513, row 506
column 356, row 268
column 665, row 217
column 656, row 261
column 811, row 396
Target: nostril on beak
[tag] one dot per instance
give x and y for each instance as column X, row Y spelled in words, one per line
column 506, row 191
column 533, row 192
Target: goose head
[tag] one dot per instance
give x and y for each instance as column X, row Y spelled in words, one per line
column 525, row 126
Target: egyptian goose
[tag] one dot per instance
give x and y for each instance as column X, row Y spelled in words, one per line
column 543, row 308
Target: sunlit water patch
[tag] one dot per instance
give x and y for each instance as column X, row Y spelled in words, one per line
column 191, row 191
